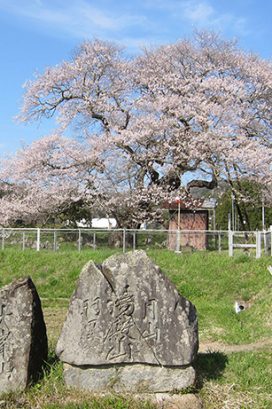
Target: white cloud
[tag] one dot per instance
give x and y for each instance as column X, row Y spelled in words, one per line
column 133, row 23
column 80, row 19
column 201, row 14
column 198, row 12
column 204, row 15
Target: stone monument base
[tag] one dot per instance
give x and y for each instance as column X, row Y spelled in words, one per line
column 135, row 378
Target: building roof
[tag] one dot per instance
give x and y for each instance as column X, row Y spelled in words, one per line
column 194, row 204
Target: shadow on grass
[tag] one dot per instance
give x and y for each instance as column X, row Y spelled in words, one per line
column 52, row 359
column 209, row 366
column 49, row 365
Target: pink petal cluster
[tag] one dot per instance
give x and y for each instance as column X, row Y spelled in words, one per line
column 198, row 109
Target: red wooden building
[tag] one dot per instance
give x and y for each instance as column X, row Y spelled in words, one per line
column 188, row 226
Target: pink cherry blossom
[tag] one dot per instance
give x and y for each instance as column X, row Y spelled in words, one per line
column 199, row 110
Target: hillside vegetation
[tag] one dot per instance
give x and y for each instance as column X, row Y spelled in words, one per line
column 234, row 367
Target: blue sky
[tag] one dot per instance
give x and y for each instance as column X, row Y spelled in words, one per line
column 39, row 33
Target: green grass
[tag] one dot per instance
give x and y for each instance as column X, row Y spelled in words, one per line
column 210, row 280
column 213, row 283
column 54, row 274
column 241, row 380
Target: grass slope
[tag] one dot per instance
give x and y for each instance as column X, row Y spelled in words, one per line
column 211, row 281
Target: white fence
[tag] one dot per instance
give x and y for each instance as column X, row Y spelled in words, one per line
column 258, row 242
column 250, row 240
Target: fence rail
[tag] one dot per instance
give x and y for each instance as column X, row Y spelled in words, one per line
column 177, row 240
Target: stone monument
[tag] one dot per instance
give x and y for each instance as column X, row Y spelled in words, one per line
column 23, row 341
column 128, row 329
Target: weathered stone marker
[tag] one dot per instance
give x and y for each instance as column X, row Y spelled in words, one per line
column 128, row 329
column 23, row 341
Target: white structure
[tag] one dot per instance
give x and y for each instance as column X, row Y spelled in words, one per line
column 104, row 223
column 98, row 223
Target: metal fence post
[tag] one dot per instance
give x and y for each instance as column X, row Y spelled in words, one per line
column 134, row 241
column 38, row 239
column 230, row 239
column 265, row 241
column 55, row 241
column 258, row 244
column 23, row 246
column 3, row 238
column 271, row 241
column 124, row 240
column 79, row 240
column 94, row 241
column 219, row 242
column 177, row 241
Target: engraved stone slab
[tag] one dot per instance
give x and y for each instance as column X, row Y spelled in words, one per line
column 23, row 341
column 136, row 378
column 127, row 312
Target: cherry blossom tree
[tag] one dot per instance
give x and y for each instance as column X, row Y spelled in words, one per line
column 45, row 180
column 197, row 110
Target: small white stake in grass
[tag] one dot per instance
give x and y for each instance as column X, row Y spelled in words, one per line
column 238, row 307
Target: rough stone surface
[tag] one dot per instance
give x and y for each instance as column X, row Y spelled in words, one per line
column 127, row 312
column 129, row 378
column 23, row 341
column 187, row 401
column 171, row 401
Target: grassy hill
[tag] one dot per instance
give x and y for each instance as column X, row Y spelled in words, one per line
column 238, row 369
